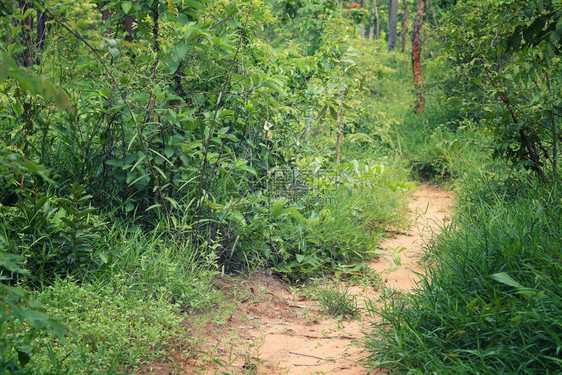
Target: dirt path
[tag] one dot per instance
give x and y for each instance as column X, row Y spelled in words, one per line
column 276, row 330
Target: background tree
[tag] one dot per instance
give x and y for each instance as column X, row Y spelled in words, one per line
column 375, row 24
column 392, row 23
column 510, row 75
column 416, row 56
column 404, row 25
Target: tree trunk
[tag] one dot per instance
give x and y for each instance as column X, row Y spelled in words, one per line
column 363, row 26
column 104, row 13
column 41, row 31
column 430, row 5
column 392, row 23
column 155, row 34
column 405, row 25
column 130, row 29
column 375, row 12
column 27, row 33
column 416, row 56
column 340, row 126
column 372, row 23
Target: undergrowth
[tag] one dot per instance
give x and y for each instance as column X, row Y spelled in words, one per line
column 337, row 302
column 491, row 302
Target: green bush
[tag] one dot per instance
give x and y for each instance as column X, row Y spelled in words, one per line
column 330, row 216
column 22, row 320
column 111, row 329
column 55, row 236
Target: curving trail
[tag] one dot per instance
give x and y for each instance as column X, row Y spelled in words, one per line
column 429, row 209
column 280, row 331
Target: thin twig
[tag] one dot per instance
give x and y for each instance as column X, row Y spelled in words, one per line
column 312, row 356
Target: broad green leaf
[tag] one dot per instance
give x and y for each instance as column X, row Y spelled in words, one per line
column 277, row 209
column 28, row 13
column 103, row 258
column 194, row 4
column 504, row 278
column 62, row 100
column 126, row 6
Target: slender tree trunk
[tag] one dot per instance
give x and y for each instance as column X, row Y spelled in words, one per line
column 340, row 127
column 130, row 29
column 372, row 23
column 155, row 34
column 405, row 25
column 416, row 56
column 41, row 31
column 105, row 14
column 554, row 135
column 376, row 24
column 28, row 58
column 430, row 5
column 392, row 23
column 363, row 27
column 27, row 32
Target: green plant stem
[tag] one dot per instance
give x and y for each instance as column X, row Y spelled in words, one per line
column 133, row 117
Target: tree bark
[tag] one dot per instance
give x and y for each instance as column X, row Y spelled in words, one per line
column 41, row 31
column 554, row 135
column 27, row 33
column 363, row 26
column 155, row 34
column 416, row 56
column 430, row 5
column 405, row 25
column 392, row 23
column 376, row 25
column 130, row 29
column 104, row 13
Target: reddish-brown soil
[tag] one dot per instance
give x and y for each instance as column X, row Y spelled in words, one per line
column 273, row 329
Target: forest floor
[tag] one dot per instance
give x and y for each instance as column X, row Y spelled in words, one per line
column 268, row 327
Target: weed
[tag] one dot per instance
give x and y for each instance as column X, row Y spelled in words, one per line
column 366, row 277
column 338, row 302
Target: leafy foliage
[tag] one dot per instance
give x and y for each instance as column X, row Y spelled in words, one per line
column 56, row 237
column 21, row 319
column 504, row 58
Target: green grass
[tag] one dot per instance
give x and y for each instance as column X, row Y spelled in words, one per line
column 337, row 302
column 110, row 329
column 126, row 315
column 165, row 266
column 492, row 302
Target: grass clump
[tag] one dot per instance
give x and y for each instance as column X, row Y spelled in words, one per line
column 491, row 304
column 338, row 302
